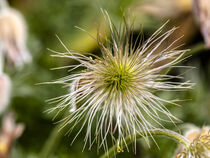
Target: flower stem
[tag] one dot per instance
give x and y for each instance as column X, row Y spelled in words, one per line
column 197, row 48
column 160, row 132
column 53, row 140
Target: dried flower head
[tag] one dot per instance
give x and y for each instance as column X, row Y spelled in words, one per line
column 200, row 144
column 5, row 85
column 114, row 94
column 13, row 36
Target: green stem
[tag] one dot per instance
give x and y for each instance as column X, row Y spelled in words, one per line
column 197, row 48
column 53, row 140
column 50, row 144
column 160, row 132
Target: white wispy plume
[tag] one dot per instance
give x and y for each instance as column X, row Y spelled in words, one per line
column 113, row 96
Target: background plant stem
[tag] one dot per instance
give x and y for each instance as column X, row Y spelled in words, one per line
column 161, row 132
column 52, row 141
column 197, row 48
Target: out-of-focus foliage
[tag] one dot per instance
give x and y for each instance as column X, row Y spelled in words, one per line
column 47, row 18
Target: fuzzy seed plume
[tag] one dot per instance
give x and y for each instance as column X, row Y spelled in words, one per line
column 113, row 96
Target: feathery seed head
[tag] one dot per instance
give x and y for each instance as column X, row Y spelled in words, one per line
column 115, row 91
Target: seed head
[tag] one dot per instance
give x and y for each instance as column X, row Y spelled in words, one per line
column 114, row 94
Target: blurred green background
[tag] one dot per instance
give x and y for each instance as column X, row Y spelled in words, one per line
column 47, row 18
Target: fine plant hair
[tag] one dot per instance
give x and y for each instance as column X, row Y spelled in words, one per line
column 113, row 96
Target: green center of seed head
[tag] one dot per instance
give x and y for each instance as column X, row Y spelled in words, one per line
column 118, row 77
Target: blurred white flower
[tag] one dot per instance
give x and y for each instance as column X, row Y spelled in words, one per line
column 13, row 36
column 5, row 85
column 115, row 92
column 162, row 8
